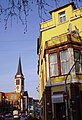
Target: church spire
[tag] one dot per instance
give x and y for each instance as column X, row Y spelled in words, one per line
column 19, row 71
column 19, row 78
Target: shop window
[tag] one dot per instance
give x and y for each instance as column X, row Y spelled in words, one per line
column 62, row 17
column 64, row 62
column 53, row 65
column 78, row 60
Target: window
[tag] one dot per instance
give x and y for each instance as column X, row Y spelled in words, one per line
column 62, row 65
column 53, row 65
column 78, row 59
column 13, row 96
column 64, row 62
column 17, row 82
column 62, row 17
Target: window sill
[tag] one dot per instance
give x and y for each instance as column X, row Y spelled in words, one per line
column 58, row 75
column 75, row 17
column 78, row 73
column 49, row 27
column 63, row 22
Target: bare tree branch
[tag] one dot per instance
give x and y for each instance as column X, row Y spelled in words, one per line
column 20, row 9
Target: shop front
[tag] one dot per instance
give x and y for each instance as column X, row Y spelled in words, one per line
column 58, row 106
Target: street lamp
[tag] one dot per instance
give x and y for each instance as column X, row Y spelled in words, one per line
column 21, row 101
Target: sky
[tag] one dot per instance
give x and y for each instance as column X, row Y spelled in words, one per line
column 14, row 44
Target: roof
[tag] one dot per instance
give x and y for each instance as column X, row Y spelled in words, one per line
column 66, row 5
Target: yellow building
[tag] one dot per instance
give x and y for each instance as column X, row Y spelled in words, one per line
column 13, row 98
column 59, row 51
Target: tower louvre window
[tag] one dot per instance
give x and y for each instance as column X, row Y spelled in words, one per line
column 17, row 82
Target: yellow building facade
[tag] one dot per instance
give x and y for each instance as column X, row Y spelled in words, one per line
column 59, row 51
column 13, row 98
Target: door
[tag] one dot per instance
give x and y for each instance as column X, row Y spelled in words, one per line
column 59, row 111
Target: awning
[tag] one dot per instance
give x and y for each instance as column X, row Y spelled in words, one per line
column 57, row 98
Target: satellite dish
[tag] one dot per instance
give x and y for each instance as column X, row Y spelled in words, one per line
column 70, row 28
column 76, row 31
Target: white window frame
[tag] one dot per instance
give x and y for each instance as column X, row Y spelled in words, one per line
column 53, row 65
column 62, row 17
column 64, row 62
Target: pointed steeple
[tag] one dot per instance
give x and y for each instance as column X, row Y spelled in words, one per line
column 19, row 71
column 19, row 79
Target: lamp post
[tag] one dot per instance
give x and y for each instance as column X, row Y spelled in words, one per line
column 21, row 101
column 3, row 103
column 66, row 99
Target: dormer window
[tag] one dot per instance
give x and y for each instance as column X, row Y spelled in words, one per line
column 62, row 17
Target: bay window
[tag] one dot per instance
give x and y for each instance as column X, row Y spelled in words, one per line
column 64, row 62
column 59, row 62
column 53, row 65
column 78, row 60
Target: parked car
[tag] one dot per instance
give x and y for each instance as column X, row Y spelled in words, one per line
column 23, row 117
column 16, row 117
column 8, row 116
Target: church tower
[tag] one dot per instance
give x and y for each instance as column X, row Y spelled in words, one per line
column 19, row 79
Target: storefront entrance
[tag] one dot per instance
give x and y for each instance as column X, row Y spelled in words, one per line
column 59, row 111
